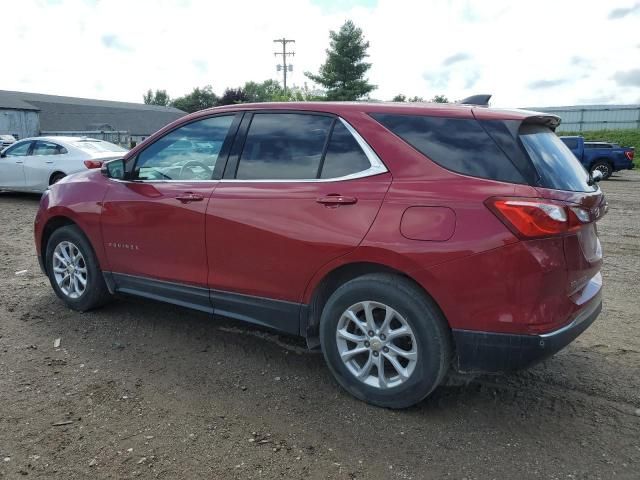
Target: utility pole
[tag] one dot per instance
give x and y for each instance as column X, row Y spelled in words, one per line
column 284, row 54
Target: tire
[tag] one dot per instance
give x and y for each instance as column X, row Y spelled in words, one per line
column 430, row 340
column 56, row 177
column 605, row 168
column 94, row 293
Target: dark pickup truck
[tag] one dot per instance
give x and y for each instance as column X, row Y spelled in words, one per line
column 604, row 156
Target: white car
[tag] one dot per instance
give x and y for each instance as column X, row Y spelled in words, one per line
column 32, row 164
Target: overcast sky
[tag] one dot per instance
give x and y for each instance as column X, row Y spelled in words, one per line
column 542, row 53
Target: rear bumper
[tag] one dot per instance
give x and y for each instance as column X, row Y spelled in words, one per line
column 484, row 352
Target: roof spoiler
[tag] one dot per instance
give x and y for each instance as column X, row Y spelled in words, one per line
column 481, row 100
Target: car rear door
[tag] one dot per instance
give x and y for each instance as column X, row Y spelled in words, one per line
column 299, row 190
column 153, row 225
column 12, row 165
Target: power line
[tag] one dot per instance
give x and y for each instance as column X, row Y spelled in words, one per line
column 284, row 54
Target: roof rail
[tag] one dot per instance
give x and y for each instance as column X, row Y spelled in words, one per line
column 480, row 100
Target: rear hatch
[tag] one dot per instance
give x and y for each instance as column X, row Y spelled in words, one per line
column 562, row 178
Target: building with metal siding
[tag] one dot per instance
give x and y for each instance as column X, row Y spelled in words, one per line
column 583, row 118
column 30, row 114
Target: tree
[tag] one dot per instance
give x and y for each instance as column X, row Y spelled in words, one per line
column 160, row 97
column 343, row 73
column 415, row 99
column 267, row 91
column 198, row 99
column 399, row 98
column 231, row 96
column 440, row 99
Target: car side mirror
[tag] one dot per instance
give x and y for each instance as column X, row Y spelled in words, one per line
column 2, row 155
column 597, row 175
column 114, row 169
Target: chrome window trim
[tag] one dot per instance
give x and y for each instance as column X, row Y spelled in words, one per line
column 376, row 168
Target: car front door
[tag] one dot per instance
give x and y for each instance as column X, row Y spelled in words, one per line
column 38, row 166
column 299, row 190
column 153, row 224
column 12, row 165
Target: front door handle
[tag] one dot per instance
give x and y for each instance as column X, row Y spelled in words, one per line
column 335, row 200
column 188, row 197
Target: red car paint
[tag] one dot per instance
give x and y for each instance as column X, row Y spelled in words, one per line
column 275, row 240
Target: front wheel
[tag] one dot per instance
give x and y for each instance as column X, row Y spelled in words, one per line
column 384, row 340
column 73, row 270
column 603, row 167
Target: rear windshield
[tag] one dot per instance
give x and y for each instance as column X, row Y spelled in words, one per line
column 556, row 165
column 457, row 144
column 98, row 146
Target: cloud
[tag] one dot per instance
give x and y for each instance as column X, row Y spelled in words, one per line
column 458, row 57
column 629, row 78
column 201, row 66
column 437, row 80
column 579, row 61
column 540, row 84
column 472, row 78
column 617, row 13
column 110, row 40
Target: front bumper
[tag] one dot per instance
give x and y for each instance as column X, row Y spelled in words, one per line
column 484, row 352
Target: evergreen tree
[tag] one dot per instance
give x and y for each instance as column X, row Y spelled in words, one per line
column 343, row 73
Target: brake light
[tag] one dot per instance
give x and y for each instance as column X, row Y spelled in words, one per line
column 629, row 154
column 536, row 218
column 93, row 163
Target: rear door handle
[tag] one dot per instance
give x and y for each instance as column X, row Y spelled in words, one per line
column 336, row 200
column 188, row 197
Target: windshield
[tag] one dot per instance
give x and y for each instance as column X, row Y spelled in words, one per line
column 557, row 166
column 98, row 146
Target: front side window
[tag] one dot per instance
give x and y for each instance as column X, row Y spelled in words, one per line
column 284, row 146
column 186, row 153
column 47, row 148
column 18, row 150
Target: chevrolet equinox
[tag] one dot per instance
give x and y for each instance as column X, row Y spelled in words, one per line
column 404, row 240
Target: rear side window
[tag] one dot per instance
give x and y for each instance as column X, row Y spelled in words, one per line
column 284, row 146
column 457, row 144
column 556, row 165
column 344, row 155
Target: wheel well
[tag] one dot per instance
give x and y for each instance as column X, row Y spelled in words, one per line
column 602, row 159
column 330, row 284
column 52, row 225
column 54, row 174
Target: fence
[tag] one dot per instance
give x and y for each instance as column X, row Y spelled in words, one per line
column 118, row 137
column 595, row 117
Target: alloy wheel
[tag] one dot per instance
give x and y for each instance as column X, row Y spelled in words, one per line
column 70, row 269
column 376, row 344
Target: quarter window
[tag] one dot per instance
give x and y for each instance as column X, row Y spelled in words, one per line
column 344, row 155
column 186, row 153
column 283, row 146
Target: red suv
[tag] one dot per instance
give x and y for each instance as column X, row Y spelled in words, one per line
column 404, row 240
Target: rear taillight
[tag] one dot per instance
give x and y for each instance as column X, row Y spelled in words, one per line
column 93, row 163
column 629, row 154
column 536, row 218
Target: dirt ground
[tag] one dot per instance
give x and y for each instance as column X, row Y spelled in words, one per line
column 146, row 390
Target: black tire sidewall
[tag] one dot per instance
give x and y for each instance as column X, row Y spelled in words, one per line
column 96, row 288
column 425, row 323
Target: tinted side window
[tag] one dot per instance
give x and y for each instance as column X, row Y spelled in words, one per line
column 571, row 143
column 344, row 155
column 283, row 146
column 457, row 144
column 186, row 153
column 18, row 150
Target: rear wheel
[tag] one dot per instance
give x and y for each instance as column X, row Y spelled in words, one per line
column 603, row 167
column 384, row 340
column 73, row 270
column 56, row 177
